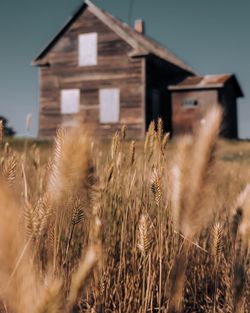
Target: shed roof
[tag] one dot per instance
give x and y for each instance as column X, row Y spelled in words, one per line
column 142, row 45
column 208, row 82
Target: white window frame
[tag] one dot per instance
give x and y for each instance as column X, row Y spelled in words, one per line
column 70, row 101
column 109, row 105
column 87, row 49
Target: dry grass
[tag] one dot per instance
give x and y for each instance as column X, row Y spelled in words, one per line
column 128, row 227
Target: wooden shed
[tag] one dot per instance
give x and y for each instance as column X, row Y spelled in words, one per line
column 192, row 97
column 106, row 74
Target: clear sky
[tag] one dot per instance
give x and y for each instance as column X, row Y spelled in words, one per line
column 212, row 36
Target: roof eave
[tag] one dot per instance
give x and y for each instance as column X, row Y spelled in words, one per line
column 39, row 63
column 191, row 87
column 81, row 8
column 138, row 54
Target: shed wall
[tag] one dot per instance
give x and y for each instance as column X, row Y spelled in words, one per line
column 228, row 101
column 184, row 119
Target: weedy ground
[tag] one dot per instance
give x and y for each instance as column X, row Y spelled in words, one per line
column 125, row 226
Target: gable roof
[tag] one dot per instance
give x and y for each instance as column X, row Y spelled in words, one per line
column 208, row 82
column 141, row 44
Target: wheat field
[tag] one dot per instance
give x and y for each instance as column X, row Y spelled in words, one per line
column 125, row 226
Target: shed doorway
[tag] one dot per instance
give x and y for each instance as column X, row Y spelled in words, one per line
column 159, row 106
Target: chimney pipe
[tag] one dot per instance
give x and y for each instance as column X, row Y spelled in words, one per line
column 139, row 26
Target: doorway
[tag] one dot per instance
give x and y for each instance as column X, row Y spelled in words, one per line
column 158, row 105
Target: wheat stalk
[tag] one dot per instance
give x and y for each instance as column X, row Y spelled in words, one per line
column 149, row 140
column 16, row 276
column 7, row 150
column 132, row 153
column 123, row 132
column 189, row 213
column 217, row 244
column 70, row 162
column 179, row 173
column 165, row 140
column 160, row 130
column 78, row 212
column 36, row 219
column 156, row 186
column 9, row 169
column 51, row 300
column 81, row 274
column 203, row 157
column 115, row 145
column 145, row 234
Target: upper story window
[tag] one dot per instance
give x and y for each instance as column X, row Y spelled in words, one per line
column 87, row 49
column 190, row 103
column 109, row 105
column 70, row 101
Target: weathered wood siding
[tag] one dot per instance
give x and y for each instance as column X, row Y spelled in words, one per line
column 184, row 119
column 114, row 69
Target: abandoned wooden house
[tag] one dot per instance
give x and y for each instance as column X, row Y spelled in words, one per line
column 106, row 74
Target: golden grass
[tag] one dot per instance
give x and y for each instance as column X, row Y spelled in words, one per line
column 132, row 226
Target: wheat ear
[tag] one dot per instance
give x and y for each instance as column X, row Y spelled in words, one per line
column 217, row 244
column 9, row 169
column 156, row 186
column 145, row 234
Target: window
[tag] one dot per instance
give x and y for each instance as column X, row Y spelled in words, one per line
column 87, row 49
column 109, row 105
column 190, row 103
column 70, row 101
